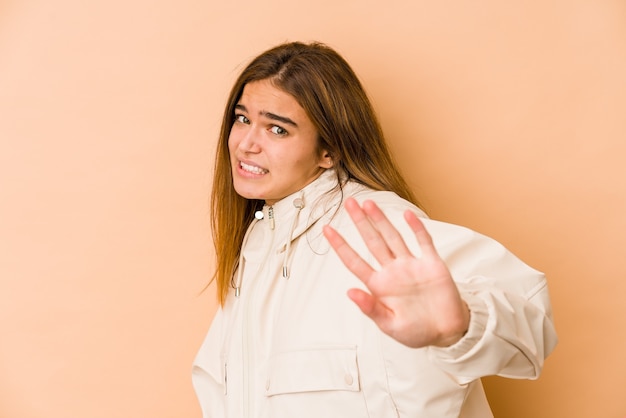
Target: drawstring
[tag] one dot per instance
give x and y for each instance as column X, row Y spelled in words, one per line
column 239, row 277
column 299, row 204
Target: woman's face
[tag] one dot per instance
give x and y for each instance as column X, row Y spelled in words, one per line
column 273, row 144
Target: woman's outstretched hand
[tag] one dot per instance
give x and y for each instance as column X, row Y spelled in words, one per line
column 414, row 300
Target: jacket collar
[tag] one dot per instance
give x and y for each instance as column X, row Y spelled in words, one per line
column 318, row 198
column 299, row 212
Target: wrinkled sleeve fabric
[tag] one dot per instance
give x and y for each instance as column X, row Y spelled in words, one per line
column 511, row 329
column 207, row 378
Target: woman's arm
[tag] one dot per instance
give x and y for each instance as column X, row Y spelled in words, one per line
column 479, row 309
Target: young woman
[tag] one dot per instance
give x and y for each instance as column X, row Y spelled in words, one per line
column 339, row 297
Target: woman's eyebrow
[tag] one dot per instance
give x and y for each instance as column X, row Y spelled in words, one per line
column 279, row 118
column 241, row 107
column 270, row 115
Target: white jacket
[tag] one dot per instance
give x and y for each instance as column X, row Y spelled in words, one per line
column 297, row 347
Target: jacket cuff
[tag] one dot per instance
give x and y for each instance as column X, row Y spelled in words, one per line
column 475, row 332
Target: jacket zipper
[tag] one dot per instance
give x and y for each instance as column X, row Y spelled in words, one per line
column 248, row 342
column 270, row 215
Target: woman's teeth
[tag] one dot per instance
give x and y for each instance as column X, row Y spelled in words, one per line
column 252, row 168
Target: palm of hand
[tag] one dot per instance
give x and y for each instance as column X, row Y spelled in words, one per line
column 414, row 300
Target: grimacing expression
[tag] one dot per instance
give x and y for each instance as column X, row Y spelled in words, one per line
column 273, row 144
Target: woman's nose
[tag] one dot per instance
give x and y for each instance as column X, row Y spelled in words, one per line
column 250, row 141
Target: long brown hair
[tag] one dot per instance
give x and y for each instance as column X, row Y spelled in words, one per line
column 329, row 91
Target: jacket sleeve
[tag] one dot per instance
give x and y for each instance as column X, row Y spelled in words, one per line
column 207, row 378
column 511, row 330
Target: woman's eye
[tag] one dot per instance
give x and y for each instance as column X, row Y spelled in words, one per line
column 277, row 130
column 242, row 119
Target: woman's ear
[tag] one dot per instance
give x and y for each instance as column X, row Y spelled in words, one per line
column 326, row 161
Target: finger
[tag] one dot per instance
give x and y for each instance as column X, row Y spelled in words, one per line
column 389, row 233
column 424, row 239
column 347, row 255
column 371, row 236
column 370, row 306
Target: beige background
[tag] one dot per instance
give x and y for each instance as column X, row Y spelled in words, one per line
column 507, row 117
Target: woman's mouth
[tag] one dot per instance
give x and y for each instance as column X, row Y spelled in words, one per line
column 252, row 168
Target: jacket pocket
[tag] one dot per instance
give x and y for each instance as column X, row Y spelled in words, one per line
column 313, row 370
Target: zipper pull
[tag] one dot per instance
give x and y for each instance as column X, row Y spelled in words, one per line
column 270, row 215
